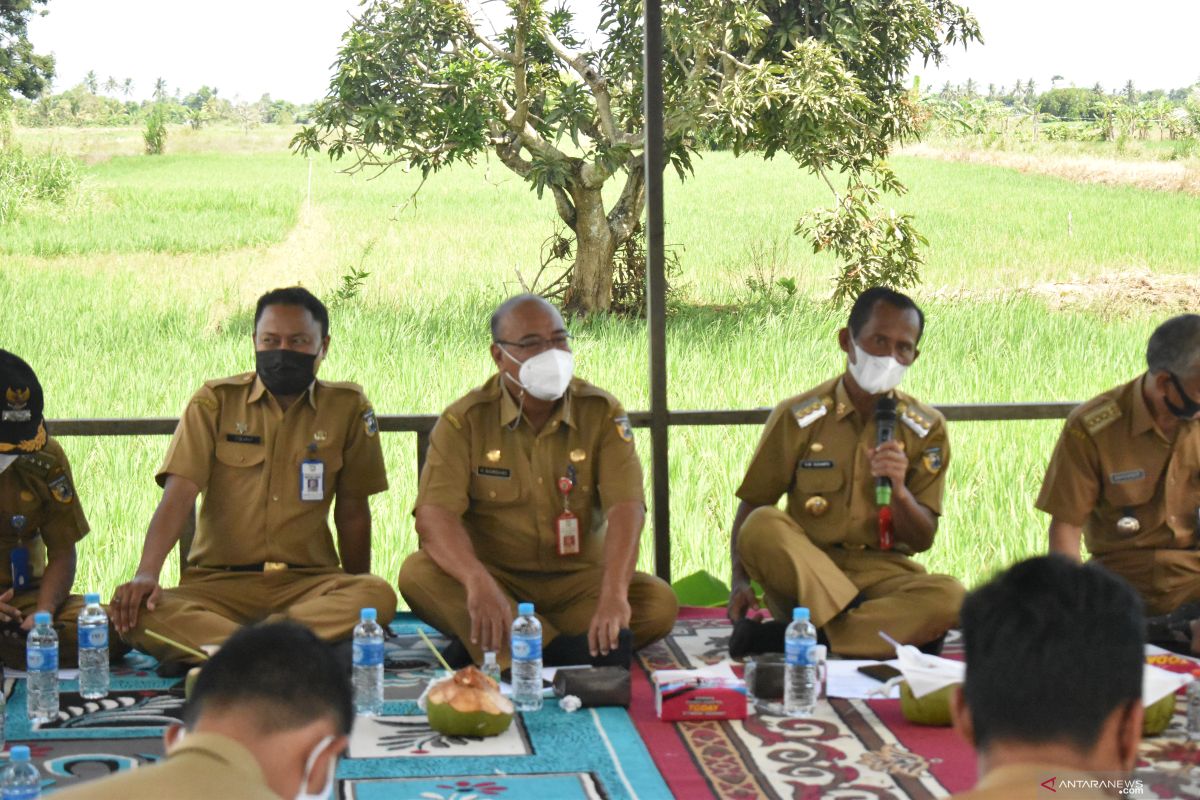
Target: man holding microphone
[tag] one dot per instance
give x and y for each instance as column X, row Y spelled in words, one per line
column 863, row 467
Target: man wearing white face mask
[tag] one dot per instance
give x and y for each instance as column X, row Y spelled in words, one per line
column 838, row 549
column 532, row 491
column 268, row 717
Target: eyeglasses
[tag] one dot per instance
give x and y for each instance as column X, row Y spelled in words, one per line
column 540, row 345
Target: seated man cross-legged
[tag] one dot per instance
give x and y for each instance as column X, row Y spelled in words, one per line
column 532, row 491
column 270, row 450
column 828, row 551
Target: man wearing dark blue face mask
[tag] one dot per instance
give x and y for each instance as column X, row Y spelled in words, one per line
column 269, row 450
column 1126, row 476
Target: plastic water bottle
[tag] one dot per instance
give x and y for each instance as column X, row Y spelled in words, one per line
column 490, row 667
column 93, row 649
column 41, row 659
column 20, row 779
column 526, row 659
column 800, row 672
column 368, row 665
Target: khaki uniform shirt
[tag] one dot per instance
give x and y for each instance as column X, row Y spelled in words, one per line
column 814, row 450
column 1024, row 781
column 203, row 766
column 245, row 454
column 486, row 465
column 38, row 509
column 1111, row 460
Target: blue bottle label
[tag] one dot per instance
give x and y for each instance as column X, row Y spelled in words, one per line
column 368, row 654
column 41, row 659
column 93, row 638
column 21, row 793
column 526, row 648
column 799, row 652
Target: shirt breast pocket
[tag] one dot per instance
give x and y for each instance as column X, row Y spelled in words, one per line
column 237, row 454
column 819, row 480
column 494, row 486
column 1128, row 491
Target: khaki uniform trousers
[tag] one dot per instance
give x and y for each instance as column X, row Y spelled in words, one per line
column 209, row 605
column 1165, row 578
column 563, row 601
column 898, row 596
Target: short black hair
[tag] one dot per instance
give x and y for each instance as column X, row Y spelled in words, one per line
column 282, row 671
column 1053, row 647
column 864, row 306
column 506, row 308
column 1175, row 347
column 294, row 296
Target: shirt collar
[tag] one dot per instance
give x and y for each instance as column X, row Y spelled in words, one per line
column 510, row 407
column 842, row 405
column 1141, row 419
column 259, row 390
column 234, row 755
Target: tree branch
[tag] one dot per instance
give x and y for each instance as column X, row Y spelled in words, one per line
column 520, row 76
column 597, row 83
column 495, row 49
column 564, row 206
column 627, row 211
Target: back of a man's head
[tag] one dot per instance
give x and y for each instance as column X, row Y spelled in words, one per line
column 279, row 674
column 1052, row 648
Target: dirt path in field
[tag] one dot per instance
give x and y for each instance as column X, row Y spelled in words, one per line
column 1167, row 176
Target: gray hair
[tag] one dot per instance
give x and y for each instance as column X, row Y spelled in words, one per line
column 1175, row 347
column 511, row 304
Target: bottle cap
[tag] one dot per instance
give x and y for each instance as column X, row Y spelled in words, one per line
column 799, row 613
column 368, row 614
column 92, row 598
column 489, row 656
column 41, row 618
column 19, row 752
column 525, row 609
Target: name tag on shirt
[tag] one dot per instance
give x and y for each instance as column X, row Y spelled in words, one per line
column 243, row 438
column 312, row 480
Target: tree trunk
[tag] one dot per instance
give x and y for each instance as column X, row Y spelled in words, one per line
column 595, row 244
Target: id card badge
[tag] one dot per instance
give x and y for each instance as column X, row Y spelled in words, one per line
column 312, row 480
column 568, row 534
column 18, row 560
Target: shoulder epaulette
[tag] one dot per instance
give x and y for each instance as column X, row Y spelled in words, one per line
column 233, row 380
column 914, row 419
column 39, row 465
column 810, row 410
column 349, row 386
column 1100, row 417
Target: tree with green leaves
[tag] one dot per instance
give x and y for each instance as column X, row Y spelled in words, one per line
column 22, row 71
column 426, row 84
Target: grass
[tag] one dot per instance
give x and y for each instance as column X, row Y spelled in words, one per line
column 127, row 314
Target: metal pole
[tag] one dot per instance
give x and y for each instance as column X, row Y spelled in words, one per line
column 656, row 289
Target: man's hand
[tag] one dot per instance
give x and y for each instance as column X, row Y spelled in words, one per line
column 491, row 612
column 7, row 612
column 128, row 598
column 889, row 461
column 742, row 600
column 612, row 614
column 27, row 623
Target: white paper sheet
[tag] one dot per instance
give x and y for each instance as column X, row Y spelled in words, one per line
column 847, row 682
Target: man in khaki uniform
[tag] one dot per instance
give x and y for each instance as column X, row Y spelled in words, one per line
column 1126, row 474
column 504, row 464
column 1052, row 699
column 41, row 519
column 270, row 450
column 268, row 718
column 825, row 551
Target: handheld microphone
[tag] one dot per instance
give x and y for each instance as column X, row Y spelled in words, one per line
column 885, row 431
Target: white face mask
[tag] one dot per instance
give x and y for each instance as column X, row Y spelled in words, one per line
column 875, row 374
column 303, row 794
column 546, row 375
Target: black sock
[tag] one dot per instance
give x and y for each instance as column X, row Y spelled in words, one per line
column 456, row 654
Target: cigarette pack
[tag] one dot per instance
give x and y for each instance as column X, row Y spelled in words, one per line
column 694, row 695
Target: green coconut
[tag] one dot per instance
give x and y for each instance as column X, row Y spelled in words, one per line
column 932, row 709
column 468, row 703
column 1158, row 715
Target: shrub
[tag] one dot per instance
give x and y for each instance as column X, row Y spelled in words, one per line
column 156, row 132
column 45, row 178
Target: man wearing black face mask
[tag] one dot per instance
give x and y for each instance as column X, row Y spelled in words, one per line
column 269, row 450
column 1126, row 475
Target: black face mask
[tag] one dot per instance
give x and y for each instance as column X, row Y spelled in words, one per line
column 285, row 372
column 1189, row 407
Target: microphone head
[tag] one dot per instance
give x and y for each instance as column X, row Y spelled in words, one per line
column 885, row 408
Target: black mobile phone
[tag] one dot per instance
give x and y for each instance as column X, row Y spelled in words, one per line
column 880, row 672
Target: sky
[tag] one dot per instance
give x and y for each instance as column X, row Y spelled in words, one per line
column 285, row 47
